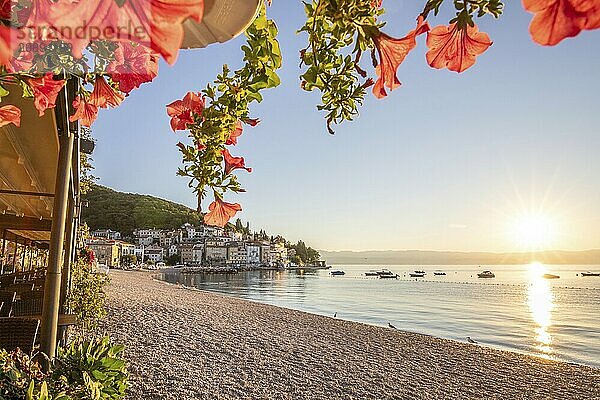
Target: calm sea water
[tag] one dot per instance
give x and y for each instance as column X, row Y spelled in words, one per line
column 518, row 310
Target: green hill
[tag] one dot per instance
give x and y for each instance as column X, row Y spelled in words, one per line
column 125, row 212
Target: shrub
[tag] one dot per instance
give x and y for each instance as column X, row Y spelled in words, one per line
column 92, row 370
column 20, row 377
column 86, row 298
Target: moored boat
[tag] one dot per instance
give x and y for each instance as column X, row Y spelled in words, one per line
column 486, row 274
column 372, row 273
column 590, row 273
column 337, row 273
column 387, row 274
column 439, row 273
column 550, row 276
column 417, row 274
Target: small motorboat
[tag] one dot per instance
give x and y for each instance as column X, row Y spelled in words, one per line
column 550, row 276
column 417, row 274
column 439, row 273
column 590, row 273
column 372, row 273
column 337, row 273
column 486, row 274
column 387, row 274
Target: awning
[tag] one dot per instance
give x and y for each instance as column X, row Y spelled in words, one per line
column 28, row 159
column 223, row 20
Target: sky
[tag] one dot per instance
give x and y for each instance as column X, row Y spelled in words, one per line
column 502, row 157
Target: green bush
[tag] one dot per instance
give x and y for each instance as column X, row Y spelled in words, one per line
column 86, row 298
column 90, row 370
column 20, row 377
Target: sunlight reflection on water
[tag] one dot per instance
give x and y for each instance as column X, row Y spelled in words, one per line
column 541, row 303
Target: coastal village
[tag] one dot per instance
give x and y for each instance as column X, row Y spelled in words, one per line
column 200, row 246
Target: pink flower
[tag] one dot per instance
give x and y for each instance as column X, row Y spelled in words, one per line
column 133, row 65
column 85, row 112
column 104, row 95
column 392, row 53
column 182, row 112
column 10, row 114
column 555, row 20
column 220, row 212
column 235, row 133
column 45, row 90
column 455, row 48
column 232, row 163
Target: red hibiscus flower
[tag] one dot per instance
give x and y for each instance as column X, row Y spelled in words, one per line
column 85, row 112
column 235, row 133
column 392, row 53
column 45, row 90
column 156, row 24
column 232, row 163
column 555, row 20
column 7, row 46
column 182, row 111
column 10, row 114
column 133, row 65
column 104, row 95
column 455, row 48
column 220, row 212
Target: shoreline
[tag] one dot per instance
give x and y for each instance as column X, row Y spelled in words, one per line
column 184, row 342
column 382, row 324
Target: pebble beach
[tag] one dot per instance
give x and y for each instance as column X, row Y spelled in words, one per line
column 190, row 344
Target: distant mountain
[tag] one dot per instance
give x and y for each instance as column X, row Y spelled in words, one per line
column 419, row 257
column 125, row 212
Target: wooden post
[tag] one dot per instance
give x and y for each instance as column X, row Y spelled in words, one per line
column 51, row 302
column 23, row 253
column 69, row 247
column 2, row 259
column 16, row 242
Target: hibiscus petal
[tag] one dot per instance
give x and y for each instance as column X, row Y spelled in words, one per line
column 10, row 114
column 554, row 20
column 220, row 212
column 45, row 90
column 85, row 112
column 104, row 95
column 454, row 48
column 392, row 53
column 235, row 133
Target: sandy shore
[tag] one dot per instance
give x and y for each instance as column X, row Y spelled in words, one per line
column 185, row 344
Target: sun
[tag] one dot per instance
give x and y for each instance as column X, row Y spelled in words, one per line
column 534, row 231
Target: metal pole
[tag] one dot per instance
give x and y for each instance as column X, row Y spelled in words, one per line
column 52, row 288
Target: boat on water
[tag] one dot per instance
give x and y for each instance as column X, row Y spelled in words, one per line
column 337, row 273
column 590, row 273
column 379, row 273
column 417, row 274
column 486, row 274
column 550, row 276
column 439, row 273
column 387, row 274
